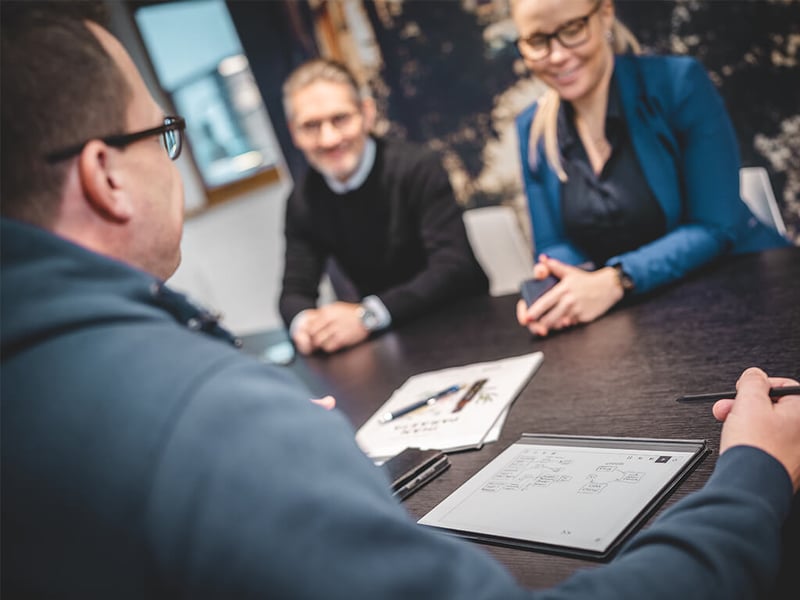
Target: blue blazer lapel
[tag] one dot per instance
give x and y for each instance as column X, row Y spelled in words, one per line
column 545, row 177
column 652, row 137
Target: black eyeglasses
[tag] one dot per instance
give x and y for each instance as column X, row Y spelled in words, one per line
column 171, row 135
column 340, row 122
column 570, row 35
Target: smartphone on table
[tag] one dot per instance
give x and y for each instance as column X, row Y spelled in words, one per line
column 412, row 468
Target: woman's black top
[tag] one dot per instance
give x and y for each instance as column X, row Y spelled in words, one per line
column 612, row 212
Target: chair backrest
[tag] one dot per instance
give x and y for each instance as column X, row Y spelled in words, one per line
column 500, row 247
column 756, row 191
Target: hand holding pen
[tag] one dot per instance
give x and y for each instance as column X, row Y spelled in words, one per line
column 390, row 416
column 774, row 394
column 750, row 419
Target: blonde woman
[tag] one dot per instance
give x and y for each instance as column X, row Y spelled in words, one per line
column 630, row 163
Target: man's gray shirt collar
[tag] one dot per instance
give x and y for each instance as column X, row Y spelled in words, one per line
column 359, row 176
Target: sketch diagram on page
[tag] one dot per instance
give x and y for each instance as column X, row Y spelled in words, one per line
column 583, row 495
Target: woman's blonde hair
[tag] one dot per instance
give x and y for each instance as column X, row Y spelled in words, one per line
column 546, row 119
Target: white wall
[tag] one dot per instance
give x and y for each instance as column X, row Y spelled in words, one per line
column 123, row 26
column 232, row 254
column 233, row 259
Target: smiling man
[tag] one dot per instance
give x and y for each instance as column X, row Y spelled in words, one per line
column 382, row 209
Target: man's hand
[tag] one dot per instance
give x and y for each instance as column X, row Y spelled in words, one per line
column 300, row 335
column 579, row 297
column 330, row 328
column 752, row 419
column 326, row 402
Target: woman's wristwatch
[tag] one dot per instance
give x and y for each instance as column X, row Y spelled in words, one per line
column 624, row 279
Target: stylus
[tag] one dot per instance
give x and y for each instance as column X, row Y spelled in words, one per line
column 774, row 393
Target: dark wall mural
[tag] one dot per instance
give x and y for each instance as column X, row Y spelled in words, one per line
column 444, row 81
column 446, row 73
column 449, row 65
column 448, row 68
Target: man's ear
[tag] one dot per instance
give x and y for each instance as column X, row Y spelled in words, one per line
column 370, row 113
column 100, row 184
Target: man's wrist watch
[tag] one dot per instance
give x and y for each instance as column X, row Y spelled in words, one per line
column 625, row 281
column 369, row 319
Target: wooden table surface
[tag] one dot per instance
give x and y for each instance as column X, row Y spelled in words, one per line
column 618, row 376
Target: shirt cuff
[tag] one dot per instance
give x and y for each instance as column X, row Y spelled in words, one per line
column 297, row 322
column 378, row 308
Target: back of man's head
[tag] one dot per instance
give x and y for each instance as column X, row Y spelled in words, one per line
column 59, row 87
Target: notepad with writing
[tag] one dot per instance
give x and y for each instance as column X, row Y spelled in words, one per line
column 442, row 425
column 571, row 495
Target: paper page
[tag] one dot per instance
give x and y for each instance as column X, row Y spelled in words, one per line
column 491, row 436
column 579, row 497
column 437, row 426
column 494, row 433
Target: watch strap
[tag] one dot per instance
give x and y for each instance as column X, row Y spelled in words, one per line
column 373, row 314
column 624, row 279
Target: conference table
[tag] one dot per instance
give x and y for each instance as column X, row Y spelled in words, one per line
column 618, row 376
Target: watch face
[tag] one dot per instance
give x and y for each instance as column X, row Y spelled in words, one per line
column 369, row 319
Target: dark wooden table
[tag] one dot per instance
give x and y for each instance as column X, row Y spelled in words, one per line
column 618, row 376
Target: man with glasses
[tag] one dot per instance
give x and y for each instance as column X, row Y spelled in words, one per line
column 382, row 210
column 145, row 457
column 121, row 194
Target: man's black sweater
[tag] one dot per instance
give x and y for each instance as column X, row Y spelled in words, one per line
column 399, row 236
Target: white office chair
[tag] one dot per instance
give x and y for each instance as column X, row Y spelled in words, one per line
column 500, row 247
column 756, row 191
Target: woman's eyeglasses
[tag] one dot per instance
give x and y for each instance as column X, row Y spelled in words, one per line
column 570, row 35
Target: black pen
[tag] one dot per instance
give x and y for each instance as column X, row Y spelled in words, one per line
column 471, row 392
column 390, row 416
column 774, row 393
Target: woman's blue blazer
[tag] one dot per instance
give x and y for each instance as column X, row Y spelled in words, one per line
column 688, row 151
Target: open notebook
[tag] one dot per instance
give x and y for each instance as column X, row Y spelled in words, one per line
column 440, row 426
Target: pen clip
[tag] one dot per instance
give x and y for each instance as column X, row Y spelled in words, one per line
column 470, row 394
